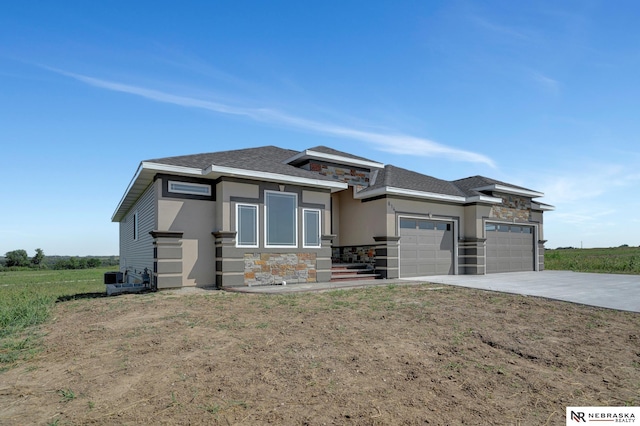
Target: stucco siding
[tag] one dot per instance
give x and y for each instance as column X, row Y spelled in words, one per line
column 228, row 194
column 323, row 199
column 473, row 226
column 137, row 254
column 196, row 219
column 536, row 216
column 359, row 221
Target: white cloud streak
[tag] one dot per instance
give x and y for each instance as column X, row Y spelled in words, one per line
column 546, row 82
column 386, row 142
column 499, row 29
column 591, row 182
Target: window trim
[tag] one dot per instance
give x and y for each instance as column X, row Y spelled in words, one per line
column 186, row 191
column 304, row 228
column 266, row 220
column 257, row 225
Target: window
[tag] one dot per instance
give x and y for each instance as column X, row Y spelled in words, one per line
column 442, row 226
column 489, row 227
column 311, row 228
column 135, row 226
column 407, row 223
column 189, row 188
column 281, row 225
column 426, row 224
column 247, row 225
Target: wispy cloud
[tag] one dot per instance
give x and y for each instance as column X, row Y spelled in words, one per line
column 581, row 217
column 592, row 181
column 395, row 143
column 498, row 29
column 545, row 81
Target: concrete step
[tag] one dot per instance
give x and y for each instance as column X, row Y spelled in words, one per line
column 352, row 272
column 354, row 277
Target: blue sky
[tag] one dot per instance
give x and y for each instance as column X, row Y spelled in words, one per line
column 542, row 94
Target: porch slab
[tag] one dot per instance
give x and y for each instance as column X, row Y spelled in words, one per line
column 308, row 287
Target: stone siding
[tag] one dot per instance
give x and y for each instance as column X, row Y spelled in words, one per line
column 355, row 254
column 512, row 207
column 354, row 177
column 274, row 268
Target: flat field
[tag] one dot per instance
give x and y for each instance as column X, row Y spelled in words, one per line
column 394, row 354
column 618, row 260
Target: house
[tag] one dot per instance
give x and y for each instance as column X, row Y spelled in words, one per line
column 266, row 215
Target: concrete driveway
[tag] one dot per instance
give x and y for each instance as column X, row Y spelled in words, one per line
column 613, row 291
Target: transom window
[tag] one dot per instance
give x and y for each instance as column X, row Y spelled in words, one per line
column 247, row 225
column 514, row 229
column 189, row 188
column 408, row 223
column 311, row 228
column 281, row 224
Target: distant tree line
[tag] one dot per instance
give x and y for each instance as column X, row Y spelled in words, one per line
column 19, row 259
column 575, row 248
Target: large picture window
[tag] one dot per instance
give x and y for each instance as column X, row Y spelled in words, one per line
column 247, row 225
column 281, row 225
column 311, row 228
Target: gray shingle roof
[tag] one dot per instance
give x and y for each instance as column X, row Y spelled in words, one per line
column 268, row 159
column 466, row 185
column 327, row 150
column 406, row 179
column 272, row 159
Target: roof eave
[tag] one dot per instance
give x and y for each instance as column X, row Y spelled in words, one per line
column 543, row 207
column 390, row 190
column 308, row 154
column 484, row 199
column 510, row 190
column 141, row 180
column 147, row 170
column 273, row 177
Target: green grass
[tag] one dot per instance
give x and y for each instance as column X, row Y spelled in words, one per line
column 619, row 260
column 26, row 300
column 67, row 395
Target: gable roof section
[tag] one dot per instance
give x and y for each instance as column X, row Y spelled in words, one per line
column 398, row 181
column 267, row 159
column 476, row 185
column 333, row 156
column 394, row 180
column 264, row 163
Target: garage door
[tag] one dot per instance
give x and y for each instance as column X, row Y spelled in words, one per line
column 509, row 248
column 426, row 247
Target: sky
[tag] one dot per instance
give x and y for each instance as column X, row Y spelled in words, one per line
column 540, row 94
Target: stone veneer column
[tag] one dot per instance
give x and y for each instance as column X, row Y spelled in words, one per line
column 387, row 257
column 229, row 260
column 471, row 260
column 541, row 254
column 323, row 259
column 167, row 259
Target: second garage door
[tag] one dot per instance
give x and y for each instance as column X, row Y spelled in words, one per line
column 509, row 248
column 426, row 247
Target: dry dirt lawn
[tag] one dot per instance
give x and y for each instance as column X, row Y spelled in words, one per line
column 411, row 355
